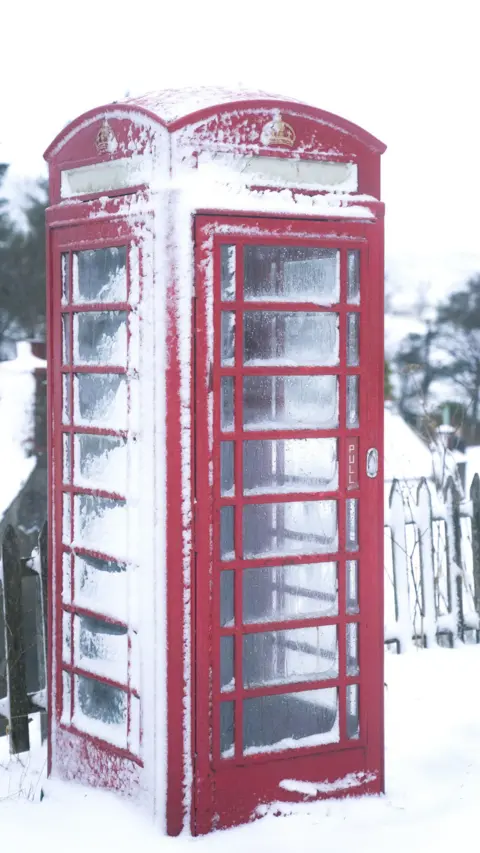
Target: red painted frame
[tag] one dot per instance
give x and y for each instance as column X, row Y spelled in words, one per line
column 72, row 236
column 227, row 791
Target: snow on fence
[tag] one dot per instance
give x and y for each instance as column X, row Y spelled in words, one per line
column 432, row 565
column 23, row 629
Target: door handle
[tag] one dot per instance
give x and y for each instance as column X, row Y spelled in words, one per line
column 372, row 462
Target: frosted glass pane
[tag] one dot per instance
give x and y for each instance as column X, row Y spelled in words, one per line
column 353, row 712
column 352, row 586
column 100, row 275
column 304, row 527
column 66, row 400
column 101, row 586
column 282, row 657
column 286, row 721
column 227, row 588
column 100, row 338
column 101, row 648
column 227, row 679
column 66, row 519
column 66, row 698
column 290, row 465
column 351, row 542
column 292, row 339
column 101, row 710
column 226, row 404
column 66, row 579
column 353, row 277
column 292, row 274
column 67, row 637
column 227, row 520
column 101, row 524
column 228, row 338
column 65, row 339
column 280, row 593
column 352, row 402
column 65, row 279
column 227, row 729
column 227, row 467
column 67, row 445
column 290, row 402
column 352, row 648
column 101, row 400
column 227, row 263
column 353, row 326
column 101, row 462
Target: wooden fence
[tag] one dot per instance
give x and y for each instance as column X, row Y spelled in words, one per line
column 23, row 632
column 432, row 565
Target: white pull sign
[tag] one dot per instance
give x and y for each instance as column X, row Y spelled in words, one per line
column 372, row 462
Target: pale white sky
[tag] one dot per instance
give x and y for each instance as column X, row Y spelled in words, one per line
column 406, row 71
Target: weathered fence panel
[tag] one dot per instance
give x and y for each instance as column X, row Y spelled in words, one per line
column 432, row 559
column 23, row 627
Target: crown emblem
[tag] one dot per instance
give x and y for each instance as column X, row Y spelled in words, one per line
column 105, row 141
column 278, row 132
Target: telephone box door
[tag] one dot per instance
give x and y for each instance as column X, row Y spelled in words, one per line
column 289, row 499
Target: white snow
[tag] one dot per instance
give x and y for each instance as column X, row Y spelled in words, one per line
column 432, row 779
column 407, row 457
column 17, row 393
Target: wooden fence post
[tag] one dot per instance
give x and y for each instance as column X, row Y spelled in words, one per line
column 400, row 567
column 16, row 674
column 454, row 557
column 475, row 498
column 423, row 520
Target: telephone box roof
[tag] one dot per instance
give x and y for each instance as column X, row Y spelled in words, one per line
column 175, row 108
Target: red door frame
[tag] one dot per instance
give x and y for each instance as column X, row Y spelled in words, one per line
column 227, row 791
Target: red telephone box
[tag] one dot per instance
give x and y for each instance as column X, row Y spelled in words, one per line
column 216, row 388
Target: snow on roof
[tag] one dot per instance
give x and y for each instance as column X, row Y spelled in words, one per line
column 173, row 104
column 406, row 455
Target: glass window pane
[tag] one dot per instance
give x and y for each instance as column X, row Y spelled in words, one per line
column 66, row 400
column 228, row 338
column 101, row 648
column 101, row 710
column 353, row 351
column 66, row 698
column 290, row 402
column 227, row 678
column 101, row 524
column 351, row 537
column 227, row 467
column 282, row 657
column 280, row 593
column 101, row 400
column 290, row 465
column 353, row 712
column 352, row 402
column 100, row 275
column 101, row 583
column 303, row 527
column 67, row 637
column 66, row 519
column 101, row 462
column 226, row 405
column 353, row 277
column 352, row 586
column 67, row 578
column 67, row 457
column 65, row 339
column 65, row 279
column 227, row 261
column 291, row 274
column 100, row 337
column 227, row 592
column 227, row 521
column 290, row 339
column 227, row 729
column 286, row 721
column 352, row 649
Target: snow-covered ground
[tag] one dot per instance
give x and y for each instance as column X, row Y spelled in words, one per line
column 433, row 780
